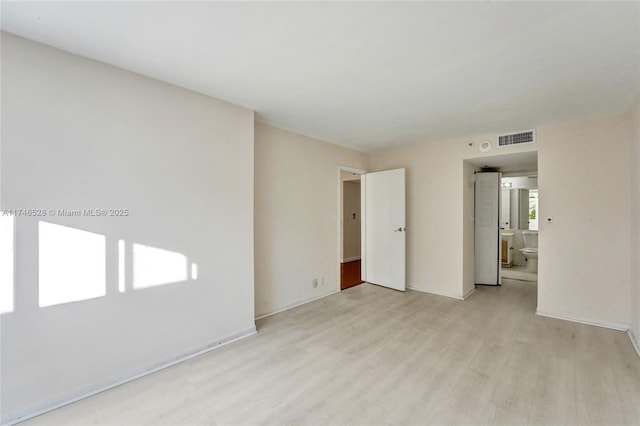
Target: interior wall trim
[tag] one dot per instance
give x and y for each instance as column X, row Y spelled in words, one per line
column 296, row 304
column 604, row 324
column 159, row 366
column 634, row 341
column 442, row 293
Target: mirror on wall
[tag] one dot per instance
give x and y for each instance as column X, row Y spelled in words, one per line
column 519, row 203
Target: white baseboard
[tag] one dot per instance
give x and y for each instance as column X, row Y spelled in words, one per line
column 469, row 293
column 350, row 259
column 604, row 324
column 634, row 341
column 157, row 367
column 442, row 293
column 296, row 304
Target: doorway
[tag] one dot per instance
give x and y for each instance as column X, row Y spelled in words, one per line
column 519, row 226
column 518, row 213
column 350, row 229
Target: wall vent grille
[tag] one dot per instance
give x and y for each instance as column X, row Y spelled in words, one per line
column 527, row 136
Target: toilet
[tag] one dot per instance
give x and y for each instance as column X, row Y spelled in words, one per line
column 530, row 250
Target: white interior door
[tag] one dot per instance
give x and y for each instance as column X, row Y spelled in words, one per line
column 487, row 228
column 383, row 228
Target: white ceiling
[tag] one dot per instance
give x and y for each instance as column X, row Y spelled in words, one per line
column 367, row 75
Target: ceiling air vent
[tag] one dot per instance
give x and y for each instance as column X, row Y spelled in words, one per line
column 527, row 136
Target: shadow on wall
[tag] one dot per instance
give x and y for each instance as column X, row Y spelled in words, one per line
column 72, row 265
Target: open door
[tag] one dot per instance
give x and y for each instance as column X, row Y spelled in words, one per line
column 383, row 228
column 487, row 228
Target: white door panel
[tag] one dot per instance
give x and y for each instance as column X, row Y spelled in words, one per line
column 383, row 228
column 487, row 224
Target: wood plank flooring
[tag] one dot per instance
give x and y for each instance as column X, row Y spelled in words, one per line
column 374, row 356
column 350, row 274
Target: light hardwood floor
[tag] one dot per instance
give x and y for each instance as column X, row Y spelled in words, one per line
column 369, row 356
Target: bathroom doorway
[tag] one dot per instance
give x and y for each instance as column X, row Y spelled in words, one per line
column 519, row 226
column 522, row 166
column 350, row 229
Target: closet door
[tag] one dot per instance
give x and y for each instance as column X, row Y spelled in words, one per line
column 487, row 228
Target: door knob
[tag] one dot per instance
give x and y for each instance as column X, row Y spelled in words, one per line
column 400, row 230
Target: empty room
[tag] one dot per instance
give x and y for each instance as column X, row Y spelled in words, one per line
column 305, row 213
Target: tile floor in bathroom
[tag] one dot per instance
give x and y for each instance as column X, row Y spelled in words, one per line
column 519, row 273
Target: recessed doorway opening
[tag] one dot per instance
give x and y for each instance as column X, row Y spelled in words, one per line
column 350, row 228
column 514, row 212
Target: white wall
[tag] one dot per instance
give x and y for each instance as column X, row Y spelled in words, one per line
column 584, row 185
column 440, row 211
column 466, row 224
column 296, row 216
column 80, row 134
column 635, row 227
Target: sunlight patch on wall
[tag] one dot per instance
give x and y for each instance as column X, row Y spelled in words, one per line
column 121, row 266
column 72, row 264
column 153, row 266
column 194, row 271
column 6, row 264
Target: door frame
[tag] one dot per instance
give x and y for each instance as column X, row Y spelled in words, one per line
column 339, row 216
